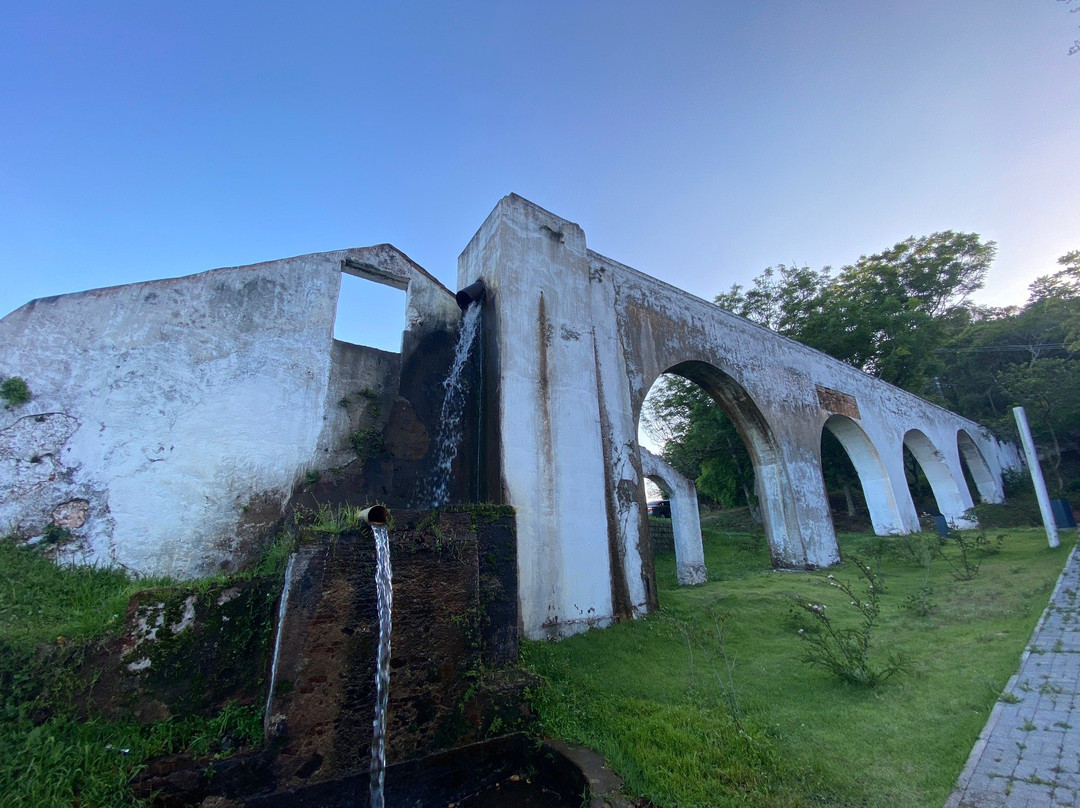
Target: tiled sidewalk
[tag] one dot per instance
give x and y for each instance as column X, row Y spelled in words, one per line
column 1028, row 755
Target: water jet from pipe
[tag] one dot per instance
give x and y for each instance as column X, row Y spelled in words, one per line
column 378, row 516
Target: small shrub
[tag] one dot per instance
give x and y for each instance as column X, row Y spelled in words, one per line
column 971, row 547
column 924, row 549
column 713, row 644
column 922, row 603
column 1020, row 508
column 54, row 534
column 15, row 391
column 366, row 442
column 1019, row 512
column 846, row 651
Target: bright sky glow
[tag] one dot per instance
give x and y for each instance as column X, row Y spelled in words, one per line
column 696, row 141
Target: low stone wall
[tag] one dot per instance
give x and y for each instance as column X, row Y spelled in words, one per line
column 186, row 651
column 662, row 533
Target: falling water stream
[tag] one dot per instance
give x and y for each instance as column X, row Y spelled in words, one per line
column 436, row 490
column 283, row 606
column 384, row 586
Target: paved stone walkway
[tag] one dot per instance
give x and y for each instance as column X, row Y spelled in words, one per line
column 1028, row 755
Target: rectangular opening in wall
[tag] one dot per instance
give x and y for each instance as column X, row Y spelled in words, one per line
column 370, row 313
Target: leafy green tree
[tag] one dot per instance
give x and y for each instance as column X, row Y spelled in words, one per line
column 699, row 441
column 1026, row 356
column 1049, row 390
column 885, row 313
column 1058, row 298
column 888, row 312
column 783, row 298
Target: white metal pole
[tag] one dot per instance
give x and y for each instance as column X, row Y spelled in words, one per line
column 1037, row 476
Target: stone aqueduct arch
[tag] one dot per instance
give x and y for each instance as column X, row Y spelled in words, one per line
column 574, row 342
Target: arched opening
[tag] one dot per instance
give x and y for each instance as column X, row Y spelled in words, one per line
column 859, row 467
column 682, row 423
column 944, row 497
column 977, row 469
column 843, row 489
column 745, row 462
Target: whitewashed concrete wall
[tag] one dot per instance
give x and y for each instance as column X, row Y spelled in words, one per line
column 171, row 419
column 582, row 338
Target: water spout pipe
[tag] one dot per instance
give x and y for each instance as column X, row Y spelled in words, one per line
column 375, row 515
column 473, row 293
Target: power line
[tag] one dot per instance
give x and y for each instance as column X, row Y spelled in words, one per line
column 1004, row 348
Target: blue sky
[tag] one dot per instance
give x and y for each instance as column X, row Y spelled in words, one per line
column 697, row 141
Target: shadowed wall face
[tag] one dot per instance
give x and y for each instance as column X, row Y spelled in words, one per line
column 454, row 633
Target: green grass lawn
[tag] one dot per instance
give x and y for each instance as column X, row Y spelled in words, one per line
column 710, row 702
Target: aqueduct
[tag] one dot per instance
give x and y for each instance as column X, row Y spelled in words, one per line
column 578, row 339
column 174, row 422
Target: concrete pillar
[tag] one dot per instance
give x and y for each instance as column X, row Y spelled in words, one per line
column 552, row 444
column 806, row 507
column 685, row 519
column 1037, row 477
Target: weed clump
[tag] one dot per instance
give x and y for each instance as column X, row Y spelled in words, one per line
column 971, row 548
column 15, row 391
column 366, row 442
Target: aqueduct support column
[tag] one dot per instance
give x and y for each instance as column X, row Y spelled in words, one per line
column 946, row 477
column 892, row 459
column 806, row 506
column 685, row 519
column 877, row 489
column 552, row 439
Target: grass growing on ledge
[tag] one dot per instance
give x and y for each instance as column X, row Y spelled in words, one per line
column 663, row 698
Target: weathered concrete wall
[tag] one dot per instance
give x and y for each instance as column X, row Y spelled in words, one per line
column 452, row 642
column 582, row 338
column 172, row 419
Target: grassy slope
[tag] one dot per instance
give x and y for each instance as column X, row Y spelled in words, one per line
column 50, row 617
column 655, row 696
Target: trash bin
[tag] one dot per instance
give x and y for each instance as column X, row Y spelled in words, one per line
column 1062, row 510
